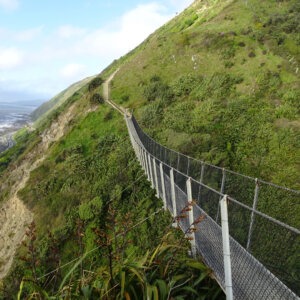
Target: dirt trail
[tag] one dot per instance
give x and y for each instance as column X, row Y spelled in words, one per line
column 106, row 95
column 14, row 215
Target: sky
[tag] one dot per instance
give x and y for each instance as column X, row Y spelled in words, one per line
column 46, row 45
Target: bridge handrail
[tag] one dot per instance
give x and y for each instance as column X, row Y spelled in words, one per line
column 291, row 228
column 220, row 168
column 143, row 143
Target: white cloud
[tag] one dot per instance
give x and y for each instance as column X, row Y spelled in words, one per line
column 89, row 50
column 104, row 44
column 132, row 28
column 142, row 21
column 9, row 4
column 29, row 34
column 13, row 36
column 73, row 70
column 68, row 31
column 3, row 32
column 10, row 58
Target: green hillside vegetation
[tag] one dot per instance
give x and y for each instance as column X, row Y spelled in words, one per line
column 55, row 102
column 222, row 85
column 219, row 82
column 90, row 196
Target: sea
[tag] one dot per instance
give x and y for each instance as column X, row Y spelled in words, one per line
column 13, row 116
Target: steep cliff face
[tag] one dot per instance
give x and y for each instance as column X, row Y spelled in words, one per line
column 14, row 215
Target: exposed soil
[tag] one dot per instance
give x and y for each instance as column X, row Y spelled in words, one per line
column 14, row 215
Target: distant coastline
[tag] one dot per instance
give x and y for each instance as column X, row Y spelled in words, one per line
column 13, row 116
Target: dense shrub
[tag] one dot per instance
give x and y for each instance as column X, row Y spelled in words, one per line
column 228, row 64
column 184, row 85
column 268, row 83
column 124, row 98
column 96, row 82
column 228, row 52
column 96, row 99
column 189, row 21
column 219, row 86
column 178, row 117
column 151, row 115
column 157, row 89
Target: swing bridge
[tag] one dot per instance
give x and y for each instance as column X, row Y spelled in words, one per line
column 232, row 221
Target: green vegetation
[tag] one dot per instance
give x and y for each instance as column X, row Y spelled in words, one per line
column 220, row 82
column 97, row 201
column 58, row 100
column 225, row 88
column 96, row 82
column 25, row 142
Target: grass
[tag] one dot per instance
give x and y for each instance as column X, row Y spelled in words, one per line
column 49, row 106
column 66, row 158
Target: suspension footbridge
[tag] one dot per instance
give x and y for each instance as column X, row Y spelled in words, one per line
column 228, row 218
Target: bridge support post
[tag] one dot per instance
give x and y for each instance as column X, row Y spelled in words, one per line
column 162, row 178
column 191, row 217
column 150, row 170
column 253, row 214
column 221, row 191
column 226, row 248
column 142, row 158
column 155, row 177
column 173, row 195
column 146, row 165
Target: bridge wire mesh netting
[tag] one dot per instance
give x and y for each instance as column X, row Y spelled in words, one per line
column 264, row 245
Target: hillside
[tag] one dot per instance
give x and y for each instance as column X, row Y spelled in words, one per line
column 92, row 192
column 55, row 102
column 219, row 82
